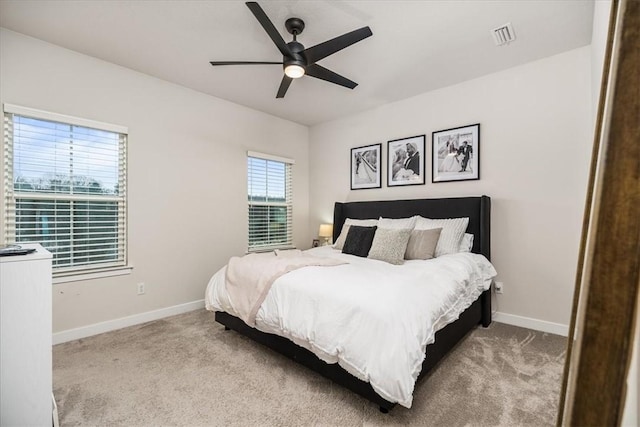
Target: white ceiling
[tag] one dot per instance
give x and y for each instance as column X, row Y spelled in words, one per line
column 416, row 47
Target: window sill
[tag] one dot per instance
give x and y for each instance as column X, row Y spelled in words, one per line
column 97, row 274
column 269, row 249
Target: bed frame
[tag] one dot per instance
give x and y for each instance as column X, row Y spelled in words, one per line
column 477, row 209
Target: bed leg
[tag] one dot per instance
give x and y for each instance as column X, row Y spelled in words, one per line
column 384, row 410
column 486, row 308
column 226, row 328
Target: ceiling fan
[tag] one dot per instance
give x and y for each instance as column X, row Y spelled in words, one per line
column 298, row 61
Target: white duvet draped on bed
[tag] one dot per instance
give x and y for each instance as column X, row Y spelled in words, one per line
column 373, row 318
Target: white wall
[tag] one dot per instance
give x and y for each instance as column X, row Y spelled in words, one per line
column 535, row 147
column 187, row 173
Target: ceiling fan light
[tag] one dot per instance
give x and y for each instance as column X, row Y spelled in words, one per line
column 294, row 71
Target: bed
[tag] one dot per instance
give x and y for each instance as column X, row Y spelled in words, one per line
column 443, row 339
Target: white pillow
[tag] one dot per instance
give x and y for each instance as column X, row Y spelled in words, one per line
column 399, row 223
column 452, row 231
column 345, row 229
column 466, row 244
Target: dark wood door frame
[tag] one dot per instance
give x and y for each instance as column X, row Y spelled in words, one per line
column 601, row 335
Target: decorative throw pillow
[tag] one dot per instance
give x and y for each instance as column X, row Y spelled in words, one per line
column 422, row 244
column 452, row 231
column 345, row 229
column 358, row 241
column 390, row 244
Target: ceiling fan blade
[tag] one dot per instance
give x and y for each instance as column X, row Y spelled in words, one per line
column 214, row 63
column 322, row 50
column 284, row 85
column 268, row 26
column 322, row 73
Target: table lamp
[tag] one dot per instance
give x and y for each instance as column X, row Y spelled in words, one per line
column 326, row 231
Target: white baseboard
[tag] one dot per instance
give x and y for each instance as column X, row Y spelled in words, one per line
column 136, row 319
column 123, row 322
column 528, row 322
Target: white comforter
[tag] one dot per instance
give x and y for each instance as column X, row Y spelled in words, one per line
column 373, row 318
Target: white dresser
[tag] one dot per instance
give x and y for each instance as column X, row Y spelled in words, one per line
column 25, row 339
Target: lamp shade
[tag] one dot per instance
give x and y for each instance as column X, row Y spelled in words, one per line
column 326, row 230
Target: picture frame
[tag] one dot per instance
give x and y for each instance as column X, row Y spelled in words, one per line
column 456, row 154
column 315, row 243
column 365, row 167
column 405, row 161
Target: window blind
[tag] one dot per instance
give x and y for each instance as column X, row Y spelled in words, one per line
column 65, row 188
column 270, row 203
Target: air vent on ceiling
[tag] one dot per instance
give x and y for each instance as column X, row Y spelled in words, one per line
column 503, row 34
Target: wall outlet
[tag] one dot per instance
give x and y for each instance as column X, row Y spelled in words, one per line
column 498, row 287
column 140, row 288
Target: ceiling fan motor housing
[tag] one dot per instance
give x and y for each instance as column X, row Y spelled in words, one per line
column 297, row 55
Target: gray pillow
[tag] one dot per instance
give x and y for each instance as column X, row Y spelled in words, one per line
column 389, row 245
column 422, row 244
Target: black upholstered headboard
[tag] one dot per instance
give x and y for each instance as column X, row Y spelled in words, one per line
column 477, row 209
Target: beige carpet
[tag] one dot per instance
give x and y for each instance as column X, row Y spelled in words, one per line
column 186, row 370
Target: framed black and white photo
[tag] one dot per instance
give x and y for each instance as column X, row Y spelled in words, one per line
column 456, row 154
column 405, row 158
column 365, row 167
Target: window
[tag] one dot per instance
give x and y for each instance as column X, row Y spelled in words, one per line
column 270, row 204
column 65, row 188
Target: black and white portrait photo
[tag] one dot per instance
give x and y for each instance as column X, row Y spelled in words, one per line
column 365, row 167
column 406, row 161
column 456, row 154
